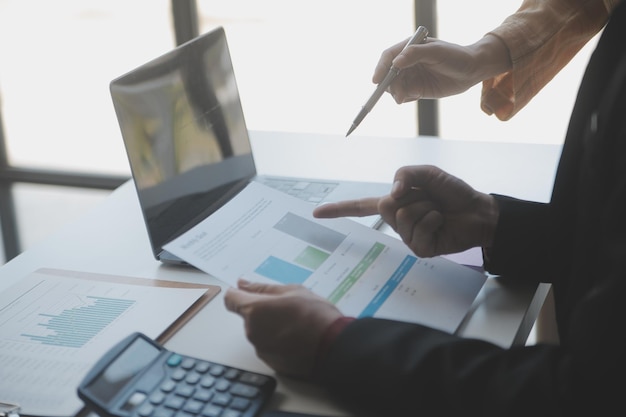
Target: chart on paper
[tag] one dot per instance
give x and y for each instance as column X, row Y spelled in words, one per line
column 325, row 261
column 77, row 325
column 53, row 328
column 263, row 235
column 61, row 314
column 305, row 247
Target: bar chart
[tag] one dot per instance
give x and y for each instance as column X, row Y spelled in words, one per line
column 55, row 324
column 63, row 314
column 315, row 243
column 76, row 325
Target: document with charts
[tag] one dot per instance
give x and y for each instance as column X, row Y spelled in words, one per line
column 264, row 235
column 55, row 325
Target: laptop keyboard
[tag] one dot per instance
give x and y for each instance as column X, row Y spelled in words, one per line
column 313, row 192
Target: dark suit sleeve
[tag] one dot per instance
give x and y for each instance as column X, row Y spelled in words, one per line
column 387, row 368
column 391, row 368
column 378, row 367
column 519, row 243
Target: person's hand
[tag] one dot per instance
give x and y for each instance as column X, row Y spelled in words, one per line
column 285, row 323
column 436, row 68
column 434, row 212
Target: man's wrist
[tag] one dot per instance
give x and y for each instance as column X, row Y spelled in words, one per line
column 329, row 336
column 492, row 57
column 490, row 216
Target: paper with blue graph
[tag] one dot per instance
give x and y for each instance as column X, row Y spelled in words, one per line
column 265, row 235
column 54, row 325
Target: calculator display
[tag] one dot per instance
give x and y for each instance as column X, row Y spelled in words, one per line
column 129, row 363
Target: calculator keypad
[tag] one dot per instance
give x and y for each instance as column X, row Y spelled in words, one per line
column 196, row 388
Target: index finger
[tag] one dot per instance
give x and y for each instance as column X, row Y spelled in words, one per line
column 384, row 63
column 348, row 208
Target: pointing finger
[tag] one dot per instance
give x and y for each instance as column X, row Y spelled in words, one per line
column 360, row 207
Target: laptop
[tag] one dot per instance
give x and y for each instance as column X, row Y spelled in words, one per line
column 187, row 143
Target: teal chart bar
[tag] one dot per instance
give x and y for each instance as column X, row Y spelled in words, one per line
column 389, row 287
column 74, row 327
column 282, row 271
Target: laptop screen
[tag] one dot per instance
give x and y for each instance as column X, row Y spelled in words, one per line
column 184, row 131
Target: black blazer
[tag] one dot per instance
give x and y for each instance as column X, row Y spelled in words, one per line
column 577, row 242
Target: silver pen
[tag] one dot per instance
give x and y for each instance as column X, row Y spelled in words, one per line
column 418, row 37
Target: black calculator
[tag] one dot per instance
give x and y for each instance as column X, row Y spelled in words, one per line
column 140, row 378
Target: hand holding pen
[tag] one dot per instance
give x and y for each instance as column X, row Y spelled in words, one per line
column 418, row 37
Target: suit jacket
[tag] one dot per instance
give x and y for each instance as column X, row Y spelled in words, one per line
column 577, row 242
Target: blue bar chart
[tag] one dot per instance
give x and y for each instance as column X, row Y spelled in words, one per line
column 318, row 243
column 75, row 326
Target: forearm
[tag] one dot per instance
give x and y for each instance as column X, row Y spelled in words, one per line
column 488, row 217
column 541, row 37
column 393, row 368
column 491, row 56
column 518, row 243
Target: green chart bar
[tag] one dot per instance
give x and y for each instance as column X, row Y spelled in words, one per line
column 356, row 273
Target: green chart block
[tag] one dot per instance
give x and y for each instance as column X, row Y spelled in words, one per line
column 311, row 257
column 356, row 273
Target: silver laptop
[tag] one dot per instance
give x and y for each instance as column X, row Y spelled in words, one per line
column 187, row 142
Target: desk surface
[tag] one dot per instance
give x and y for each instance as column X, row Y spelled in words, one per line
column 112, row 239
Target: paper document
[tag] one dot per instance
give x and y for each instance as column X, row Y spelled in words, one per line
column 268, row 236
column 54, row 328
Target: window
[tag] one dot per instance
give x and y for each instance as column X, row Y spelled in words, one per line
column 306, row 65
column 56, row 60
column 301, row 66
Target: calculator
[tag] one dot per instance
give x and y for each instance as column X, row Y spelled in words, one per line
column 140, row 378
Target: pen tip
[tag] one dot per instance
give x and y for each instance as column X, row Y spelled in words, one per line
column 350, row 130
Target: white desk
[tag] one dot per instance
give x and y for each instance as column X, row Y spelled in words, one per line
column 111, row 239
